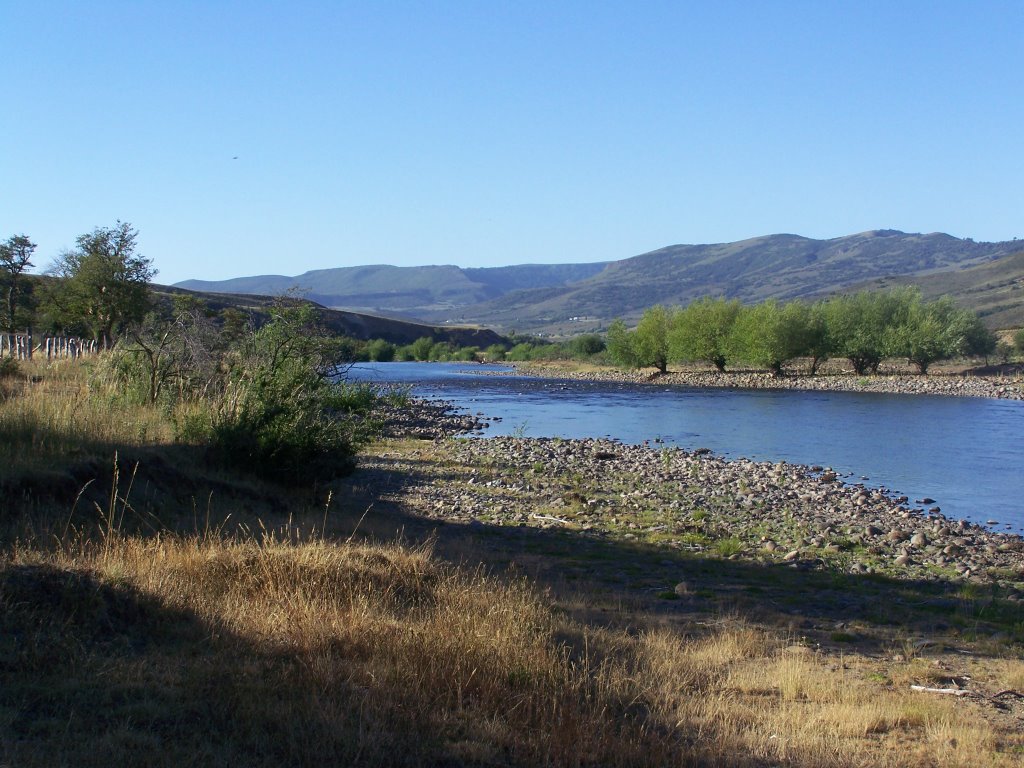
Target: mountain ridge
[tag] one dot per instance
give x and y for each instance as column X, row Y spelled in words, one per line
column 565, row 298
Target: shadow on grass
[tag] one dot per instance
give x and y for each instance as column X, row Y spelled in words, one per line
column 873, row 613
column 99, row 674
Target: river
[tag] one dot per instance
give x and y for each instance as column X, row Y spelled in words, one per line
column 966, row 453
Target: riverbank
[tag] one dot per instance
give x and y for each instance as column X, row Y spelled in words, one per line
column 777, row 514
column 1006, row 385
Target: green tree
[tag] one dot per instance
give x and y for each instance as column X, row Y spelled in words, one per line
column 622, row 345
column 1018, row 341
column 420, row 348
column 15, row 257
column 520, row 352
column 770, row 334
column 652, row 334
column 495, row 353
column 981, row 341
column 586, row 345
column 701, row 331
column 927, row 331
column 380, row 351
column 104, row 282
column 818, row 342
column 857, row 325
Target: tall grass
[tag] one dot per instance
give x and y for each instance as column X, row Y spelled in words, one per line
column 275, row 647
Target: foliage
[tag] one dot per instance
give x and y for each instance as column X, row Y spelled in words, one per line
column 622, row 345
column 584, row 346
column 15, row 258
column 818, row 342
column 284, row 413
column 421, row 348
column 701, row 331
column 104, row 283
column 1018, row 341
column 652, row 337
column 380, row 351
column 924, row 332
column 857, row 326
column 770, row 334
column 495, row 353
column 185, row 349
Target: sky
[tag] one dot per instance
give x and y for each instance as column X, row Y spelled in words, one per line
column 245, row 138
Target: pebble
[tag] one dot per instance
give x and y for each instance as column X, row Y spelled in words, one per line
column 690, row 499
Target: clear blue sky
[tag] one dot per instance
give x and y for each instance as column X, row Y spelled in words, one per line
column 491, row 133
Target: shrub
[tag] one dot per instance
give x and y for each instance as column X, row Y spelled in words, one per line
column 283, row 414
column 9, row 367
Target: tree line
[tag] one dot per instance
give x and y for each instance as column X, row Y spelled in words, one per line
column 865, row 328
column 102, row 285
column 266, row 397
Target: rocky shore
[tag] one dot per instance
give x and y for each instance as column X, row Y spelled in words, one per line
column 429, row 420
column 780, row 514
column 1008, row 386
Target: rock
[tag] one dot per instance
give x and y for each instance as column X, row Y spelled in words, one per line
column 791, row 556
column 902, row 560
column 919, row 540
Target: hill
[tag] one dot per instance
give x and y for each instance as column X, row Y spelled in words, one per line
column 995, row 289
column 775, row 266
column 571, row 298
column 354, row 324
column 411, row 290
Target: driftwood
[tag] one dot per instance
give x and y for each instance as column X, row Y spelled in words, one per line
column 966, row 692
column 553, row 519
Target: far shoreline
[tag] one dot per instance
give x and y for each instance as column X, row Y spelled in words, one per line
column 1006, row 384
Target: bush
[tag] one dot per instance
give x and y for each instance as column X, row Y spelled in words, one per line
column 283, row 415
column 586, row 345
column 380, row 351
column 9, row 367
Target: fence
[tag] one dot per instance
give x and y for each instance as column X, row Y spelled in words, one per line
column 23, row 346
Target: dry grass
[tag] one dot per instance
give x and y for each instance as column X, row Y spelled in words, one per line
column 62, row 411
column 282, row 648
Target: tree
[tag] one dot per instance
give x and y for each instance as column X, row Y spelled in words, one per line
column 104, row 282
column 925, row 332
column 652, row 333
column 818, row 341
column 622, row 345
column 420, row 348
column 770, row 334
column 1018, row 341
column 857, row 325
column 380, row 351
column 701, row 331
column 15, row 258
column 586, row 345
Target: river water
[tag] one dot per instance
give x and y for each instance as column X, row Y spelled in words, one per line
column 966, row 453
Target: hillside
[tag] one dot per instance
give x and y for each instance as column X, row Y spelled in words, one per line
column 354, row 324
column 409, row 290
column 775, row 266
column 995, row 289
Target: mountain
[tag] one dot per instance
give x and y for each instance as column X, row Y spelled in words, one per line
column 410, row 290
column 569, row 298
column 774, row 266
